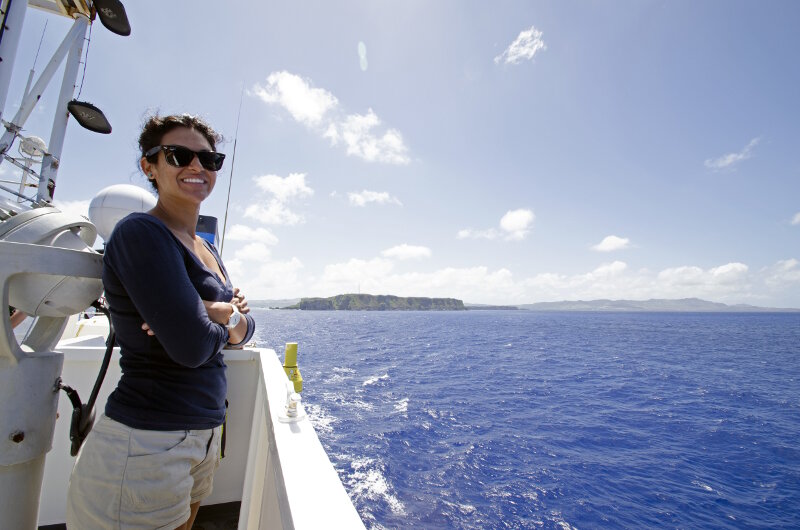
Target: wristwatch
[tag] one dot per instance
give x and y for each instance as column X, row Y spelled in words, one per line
column 235, row 317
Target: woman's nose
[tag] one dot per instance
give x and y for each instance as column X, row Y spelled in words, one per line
column 195, row 163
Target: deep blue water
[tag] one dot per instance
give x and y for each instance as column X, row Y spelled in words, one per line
column 516, row 419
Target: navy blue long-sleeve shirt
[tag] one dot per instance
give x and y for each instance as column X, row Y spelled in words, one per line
column 174, row 380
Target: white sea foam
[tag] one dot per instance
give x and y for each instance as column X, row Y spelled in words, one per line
column 320, row 418
column 402, row 405
column 375, row 379
column 340, row 373
column 702, row 485
column 367, row 482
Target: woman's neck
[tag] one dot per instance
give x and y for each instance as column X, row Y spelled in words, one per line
column 178, row 218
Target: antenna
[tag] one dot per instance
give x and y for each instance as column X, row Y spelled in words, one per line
column 230, row 180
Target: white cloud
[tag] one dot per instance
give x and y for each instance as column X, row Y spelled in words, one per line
column 257, row 252
column 364, row 197
column 731, row 159
column 517, row 223
column 796, row 219
column 356, row 132
column 245, row 233
column 686, row 275
column 282, row 190
column 514, row 226
column 783, row 273
column 469, row 233
column 525, row 46
column 273, row 213
column 611, row 243
column 306, row 104
column 728, row 273
column 377, row 276
column 346, row 277
column 320, row 111
column 405, row 251
column 80, row 207
column 261, row 280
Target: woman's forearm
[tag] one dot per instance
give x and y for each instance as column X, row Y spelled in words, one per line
column 220, row 312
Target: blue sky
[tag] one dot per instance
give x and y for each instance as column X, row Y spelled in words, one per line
column 507, row 152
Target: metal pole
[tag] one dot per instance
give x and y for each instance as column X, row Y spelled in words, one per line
column 50, row 162
column 78, row 31
column 13, row 19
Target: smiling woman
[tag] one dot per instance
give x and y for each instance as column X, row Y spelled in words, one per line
column 151, row 458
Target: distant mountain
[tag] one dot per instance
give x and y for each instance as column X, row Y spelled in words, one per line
column 654, row 305
column 368, row 302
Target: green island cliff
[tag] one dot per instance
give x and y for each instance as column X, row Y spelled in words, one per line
column 369, row 302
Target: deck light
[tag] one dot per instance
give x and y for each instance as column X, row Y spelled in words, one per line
column 89, row 116
column 113, row 16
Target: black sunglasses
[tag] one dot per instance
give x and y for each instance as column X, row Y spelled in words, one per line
column 179, row 156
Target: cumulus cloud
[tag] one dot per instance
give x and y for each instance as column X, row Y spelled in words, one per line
column 306, row 104
column 796, row 219
column 320, row 111
column 728, row 274
column 405, row 251
column 783, row 273
column 241, row 232
column 524, row 47
column 469, row 233
column 377, row 276
column 364, row 197
column 274, row 209
column 355, row 131
column 611, row 243
column 257, row 252
column 732, row 159
column 284, row 188
column 516, row 223
column 514, row 226
column 268, row 279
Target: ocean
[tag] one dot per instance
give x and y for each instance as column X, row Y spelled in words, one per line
column 518, row 419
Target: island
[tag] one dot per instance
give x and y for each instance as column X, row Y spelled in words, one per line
column 369, row 302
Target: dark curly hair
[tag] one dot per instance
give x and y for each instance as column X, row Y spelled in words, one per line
column 155, row 127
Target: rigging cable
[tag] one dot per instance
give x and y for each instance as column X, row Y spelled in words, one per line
column 44, row 30
column 230, row 180
column 85, row 60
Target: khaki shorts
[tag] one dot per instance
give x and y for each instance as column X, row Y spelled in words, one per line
column 128, row 478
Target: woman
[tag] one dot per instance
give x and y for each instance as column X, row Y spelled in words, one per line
column 150, row 459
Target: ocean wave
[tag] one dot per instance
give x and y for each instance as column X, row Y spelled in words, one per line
column 375, row 379
column 367, row 482
column 402, row 405
column 320, row 418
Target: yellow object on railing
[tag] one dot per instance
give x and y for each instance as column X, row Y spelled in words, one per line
column 290, row 366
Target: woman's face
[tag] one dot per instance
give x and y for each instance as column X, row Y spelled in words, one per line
column 192, row 183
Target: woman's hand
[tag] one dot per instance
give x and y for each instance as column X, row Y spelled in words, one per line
column 239, row 301
column 146, row 327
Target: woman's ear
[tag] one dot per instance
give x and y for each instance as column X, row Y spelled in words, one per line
column 147, row 168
